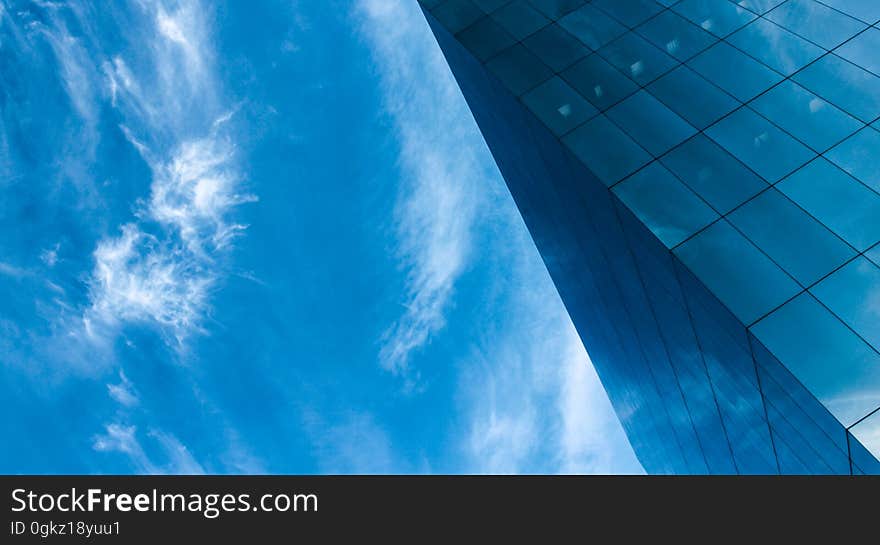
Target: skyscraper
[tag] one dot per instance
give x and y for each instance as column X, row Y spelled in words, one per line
column 702, row 179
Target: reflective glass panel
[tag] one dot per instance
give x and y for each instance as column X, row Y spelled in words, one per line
column 795, row 241
column 829, row 359
column 759, row 144
column 742, row 277
column 650, row 123
column 609, row 153
column 812, row 120
column 666, row 206
column 853, row 294
column 714, row 174
column 846, row 206
column 734, row 71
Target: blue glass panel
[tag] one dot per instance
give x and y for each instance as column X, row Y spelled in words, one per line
column 844, row 84
column 556, row 47
column 485, row 38
column 519, row 18
column 714, row 174
column 863, row 462
column 490, row 5
column 816, row 22
column 838, row 200
column 650, row 123
column 874, row 254
column 599, row 82
column 609, row 153
column 829, row 359
column 637, row 58
column 867, row 432
column 676, row 35
column 629, row 12
column 760, row 6
column 737, row 272
column 519, row 69
column 795, row 241
column 719, row 17
column 457, row 14
column 866, row 10
column 759, row 144
column 692, row 97
column 592, row 27
column 858, row 156
column 555, row 9
column 559, row 106
column 734, row 71
column 666, row 206
column 817, row 123
column 776, row 47
column 853, row 294
column 862, row 50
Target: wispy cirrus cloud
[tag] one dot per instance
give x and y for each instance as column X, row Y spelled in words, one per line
column 439, row 159
column 161, row 267
column 169, row 455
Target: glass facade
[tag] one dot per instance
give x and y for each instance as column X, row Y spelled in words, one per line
column 702, row 178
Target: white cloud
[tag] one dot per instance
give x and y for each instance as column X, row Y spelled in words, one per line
column 173, row 456
column 436, row 207
column 161, row 267
column 123, row 392
column 352, row 443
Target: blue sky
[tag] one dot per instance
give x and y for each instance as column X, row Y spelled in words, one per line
column 268, row 237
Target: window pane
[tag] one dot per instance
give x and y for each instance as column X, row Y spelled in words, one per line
column 862, row 50
column 555, row 8
column 853, row 294
column 734, row 71
column 718, row 17
column 692, row 97
column 609, row 153
column 816, row 22
column 838, row 200
column 599, row 82
column 844, row 84
column 858, row 156
column 759, row 144
column 825, row 355
column 457, row 14
column 630, row 12
column 559, row 106
column 485, row 38
column 669, row 209
column 866, row 10
column 592, row 27
column 795, row 241
column 556, row 47
column 714, row 174
column 650, row 123
column 519, row 69
column 817, row 123
column 637, row 58
column 519, row 19
column 760, row 6
column 742, row 278
column 676, row 35
column 776, row 47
